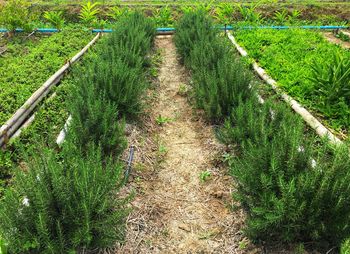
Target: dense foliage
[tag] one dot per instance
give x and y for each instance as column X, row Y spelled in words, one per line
column 214, row 70
column 292, row 57
column 68, row 201
column 113, row 86
column 22, row 74
column 64, row 205
column 15, row 14
column 293, row 187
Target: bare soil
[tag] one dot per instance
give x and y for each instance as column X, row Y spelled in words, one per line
column 174, row 211
column 331, row 38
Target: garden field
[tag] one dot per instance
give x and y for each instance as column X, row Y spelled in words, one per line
column 305, row 65
column 226, row 131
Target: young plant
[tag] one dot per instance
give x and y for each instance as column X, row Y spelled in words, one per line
column 204, row 175
column 249, row 13
column 182, row 90
column 162, row 149
column 281, row 17
column 55, row 18
column 186, row 9
column 224, row 13
column 161, row 120
column 332, row 86
column 116, row 12
column 294, row 16
column 205, row 6
column 100, row 23
column 89, row 12
column 163, row 17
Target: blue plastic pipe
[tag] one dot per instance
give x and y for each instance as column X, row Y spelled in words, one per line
column 39, row 30
column 47, row 30
column 161, row 29
column 170, row 29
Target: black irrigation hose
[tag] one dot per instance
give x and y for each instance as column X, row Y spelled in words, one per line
column 128, row 169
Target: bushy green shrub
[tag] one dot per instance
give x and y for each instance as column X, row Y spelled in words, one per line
column 219, row 80
column 219, row 90
column 291, row 191
column 95, row 120
column 133, row 33
column 113, row 86
column 122, row 85
column 65, row 203
column 190, row 29
column 120, row 68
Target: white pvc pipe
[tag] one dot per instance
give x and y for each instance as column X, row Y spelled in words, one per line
column 61, row 137
column 320, row 129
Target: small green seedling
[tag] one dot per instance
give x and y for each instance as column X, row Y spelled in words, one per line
column 182, row 90
column 242, row 245
column 162, row 149
column 154, row 72
column 162, row 120
column 300, row 249
column 204, row 175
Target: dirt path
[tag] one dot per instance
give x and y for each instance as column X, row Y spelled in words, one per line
column 331, row 38
column 176, row 211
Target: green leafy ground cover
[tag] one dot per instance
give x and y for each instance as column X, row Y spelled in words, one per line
column 23, row 74
column 49, row 120
column 289, row 57
column 18, row 45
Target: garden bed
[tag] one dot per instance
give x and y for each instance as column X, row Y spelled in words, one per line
column 23, row 74
column 289, row 56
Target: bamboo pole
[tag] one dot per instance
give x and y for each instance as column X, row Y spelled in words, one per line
column 14, row 123
column 312, row 121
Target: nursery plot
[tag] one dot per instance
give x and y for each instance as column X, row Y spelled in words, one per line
column 302, row 63
column 23, row 75
column 49, row 118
